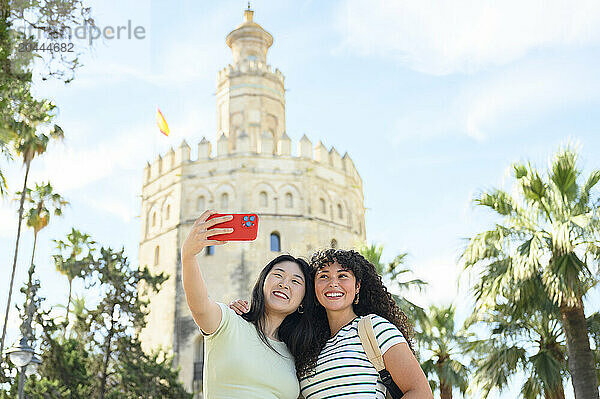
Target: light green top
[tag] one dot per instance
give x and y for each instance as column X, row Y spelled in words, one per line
column 237, row 364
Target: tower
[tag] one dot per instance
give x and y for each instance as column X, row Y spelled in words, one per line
column 250, row 95
column 305, row 201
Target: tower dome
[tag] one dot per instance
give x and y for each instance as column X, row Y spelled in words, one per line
column 249, row 40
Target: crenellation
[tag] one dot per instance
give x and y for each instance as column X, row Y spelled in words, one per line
column 250, row 67
column 204, row 149
column 156, row 167
column 335, row 159
column 349, row 165
column 321, row 153
column 169, row 160
column 222, row 145
column 183, row 153
column 147, row 172
column 305, row 149
column 284, row 146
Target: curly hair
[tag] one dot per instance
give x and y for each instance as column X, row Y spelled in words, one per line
column 374, row 296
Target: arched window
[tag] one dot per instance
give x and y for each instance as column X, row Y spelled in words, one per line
column 275, row 242
column 156, row 255
column 200, row 203
column 224, row 201
column 323, row 206
column 262, row 198
column 153, row 219
column 210, row 250
column 168, row 212
column 334, row 243
column 289, row 200
column 340, row 212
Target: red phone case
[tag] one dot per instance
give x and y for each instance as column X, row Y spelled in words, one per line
column 245, row 227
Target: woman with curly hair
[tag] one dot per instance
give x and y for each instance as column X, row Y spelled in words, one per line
column 347, row 287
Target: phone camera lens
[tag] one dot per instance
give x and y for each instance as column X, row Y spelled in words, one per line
column 245, row 218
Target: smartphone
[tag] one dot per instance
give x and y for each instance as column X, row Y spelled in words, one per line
column 245, row 227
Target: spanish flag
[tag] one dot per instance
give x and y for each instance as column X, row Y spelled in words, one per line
column 162, row 123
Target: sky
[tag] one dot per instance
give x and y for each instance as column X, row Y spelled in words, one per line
column 432, row 100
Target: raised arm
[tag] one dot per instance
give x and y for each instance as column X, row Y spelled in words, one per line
column 205, row 311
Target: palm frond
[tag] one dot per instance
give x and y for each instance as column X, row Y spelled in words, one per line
column 564, row 174
column 498, row 200
column 584, row 197
column 532, row 389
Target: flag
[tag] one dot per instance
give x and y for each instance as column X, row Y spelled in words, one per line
column 162, row 123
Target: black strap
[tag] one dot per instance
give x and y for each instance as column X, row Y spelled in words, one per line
column 389, row 383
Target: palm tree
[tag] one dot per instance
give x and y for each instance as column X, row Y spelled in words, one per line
column 43, row 202
column 73, row 260
column 530, row 343
column 5, row 138
column 392, row 272
column 549, row 228
column 440, row 339
column 29, row 142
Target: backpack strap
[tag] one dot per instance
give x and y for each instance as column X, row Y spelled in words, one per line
column 369, row 343
column 371, row 348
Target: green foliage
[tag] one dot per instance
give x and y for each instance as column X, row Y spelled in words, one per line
column 393, row 274
column 73, row 260
column 534, row 269
column 101, row 356
column 530, row 343
column 443, row 343
column 42, row 202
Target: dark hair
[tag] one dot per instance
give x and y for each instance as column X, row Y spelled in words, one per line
column 297, row 329
column 373, row 295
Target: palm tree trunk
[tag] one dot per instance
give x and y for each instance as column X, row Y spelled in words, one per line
column 68, row 305
column 104, row 375
column 580, row 358
column 33, row 252
column 14, row 267
column 556, row 393
column 445, row 390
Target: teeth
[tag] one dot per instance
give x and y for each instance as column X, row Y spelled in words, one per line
column 334, row 294
column 280, row 295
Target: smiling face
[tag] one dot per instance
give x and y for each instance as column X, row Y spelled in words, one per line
column 335, row 287
column 284, row 288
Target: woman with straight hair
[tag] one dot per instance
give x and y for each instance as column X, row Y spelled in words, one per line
column 254, row 356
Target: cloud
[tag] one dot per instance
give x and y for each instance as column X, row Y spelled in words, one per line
column 501, row 102
column 463, row 36
column 122, row 208
column 525, row 93
column 446, row 284
column 71, row 168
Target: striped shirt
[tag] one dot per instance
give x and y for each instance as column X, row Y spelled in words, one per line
column 343, row 370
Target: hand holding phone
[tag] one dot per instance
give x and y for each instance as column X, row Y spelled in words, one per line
column 244, row 225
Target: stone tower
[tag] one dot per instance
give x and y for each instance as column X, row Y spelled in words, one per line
column 305, row 201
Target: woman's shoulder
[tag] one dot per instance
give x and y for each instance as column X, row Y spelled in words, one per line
column 378, row 320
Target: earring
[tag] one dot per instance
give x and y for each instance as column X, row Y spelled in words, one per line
column 301, row 309
column 356, row 299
